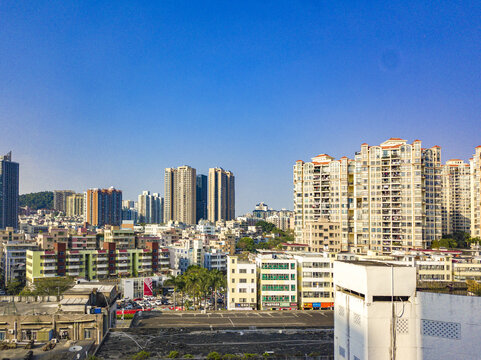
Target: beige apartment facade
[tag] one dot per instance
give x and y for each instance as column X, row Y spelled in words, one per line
column 388, row 198
column 323, row 190
column 322, row 235
column 221, row 195
column 475, row 168
column 315, row 281
column 180, row 194
column 75, row 205
column 241, row 283
column 456, row 210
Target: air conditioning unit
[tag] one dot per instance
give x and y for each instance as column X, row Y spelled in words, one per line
column 11, row 331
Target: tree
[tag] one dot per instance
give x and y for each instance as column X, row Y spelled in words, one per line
column 218, row 281
column 246, row 244
column 474, row 287
column 14, row 287
column 444, row 242
column 178, row 283
column 39, row 200
column 52, row 286
column 266, row 226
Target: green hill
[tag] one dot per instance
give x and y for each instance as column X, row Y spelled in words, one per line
column 39, row 200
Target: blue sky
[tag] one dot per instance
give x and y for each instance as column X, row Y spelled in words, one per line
column 95, row 94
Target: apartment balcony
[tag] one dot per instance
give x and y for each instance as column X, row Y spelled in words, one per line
column 102, row 272
column 50, row 267
column 73, row 273
column 49, row 260
column 122, row 258
column 102, row 265
column 50, row 275
column 74, row 266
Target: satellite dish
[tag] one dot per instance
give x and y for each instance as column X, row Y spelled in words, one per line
column 74, row 348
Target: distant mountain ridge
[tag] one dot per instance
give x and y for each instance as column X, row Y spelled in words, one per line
column 38, row 200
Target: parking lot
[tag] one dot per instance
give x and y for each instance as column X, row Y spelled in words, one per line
column 284, row 333
column 236, row 319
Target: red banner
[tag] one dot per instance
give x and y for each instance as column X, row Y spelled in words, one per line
column 148, row 287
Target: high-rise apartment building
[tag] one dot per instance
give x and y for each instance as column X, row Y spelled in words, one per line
column 150, row 208
column 180, row 194
column 475, row 167
column 75, row 205
column 388, row 198
column 9, row 174
column 103, row 206
column 201, row 198
column 221, row 203
column 324, row 190
column 60, row 199
column 456, row 186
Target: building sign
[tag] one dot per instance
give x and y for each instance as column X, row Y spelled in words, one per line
column 148, row 287
column 245, row 305
column 271, row 304
column 316, row 305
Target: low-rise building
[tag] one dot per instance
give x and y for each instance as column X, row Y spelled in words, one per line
column 85, row 312
column 379, row 314
column 47, row 240
column 322, row 235
column 93, row 264
column 123, row 238
column 13, row 262
column 241, row 283
column 315, row 281
column 277, row 274
column 215, row 259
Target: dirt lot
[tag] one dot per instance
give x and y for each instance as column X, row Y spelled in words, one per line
column 283, row 333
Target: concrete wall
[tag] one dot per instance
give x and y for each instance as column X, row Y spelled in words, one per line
column 46, row 298
column 450, row 326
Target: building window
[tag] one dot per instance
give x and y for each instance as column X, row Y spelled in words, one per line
column 2, row 335
column 88, row 334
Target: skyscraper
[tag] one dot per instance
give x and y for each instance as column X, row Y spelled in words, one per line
column 201, row 198
column 150, row 208
column 388, row 198
column 456, row 185
column 9, row 173
column 60, row 199
column 103, row 207
column 221, row 203
column 475, row 167
column 75, row 205
column 179, row 192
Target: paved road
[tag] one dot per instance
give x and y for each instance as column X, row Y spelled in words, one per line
column 225, row 319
